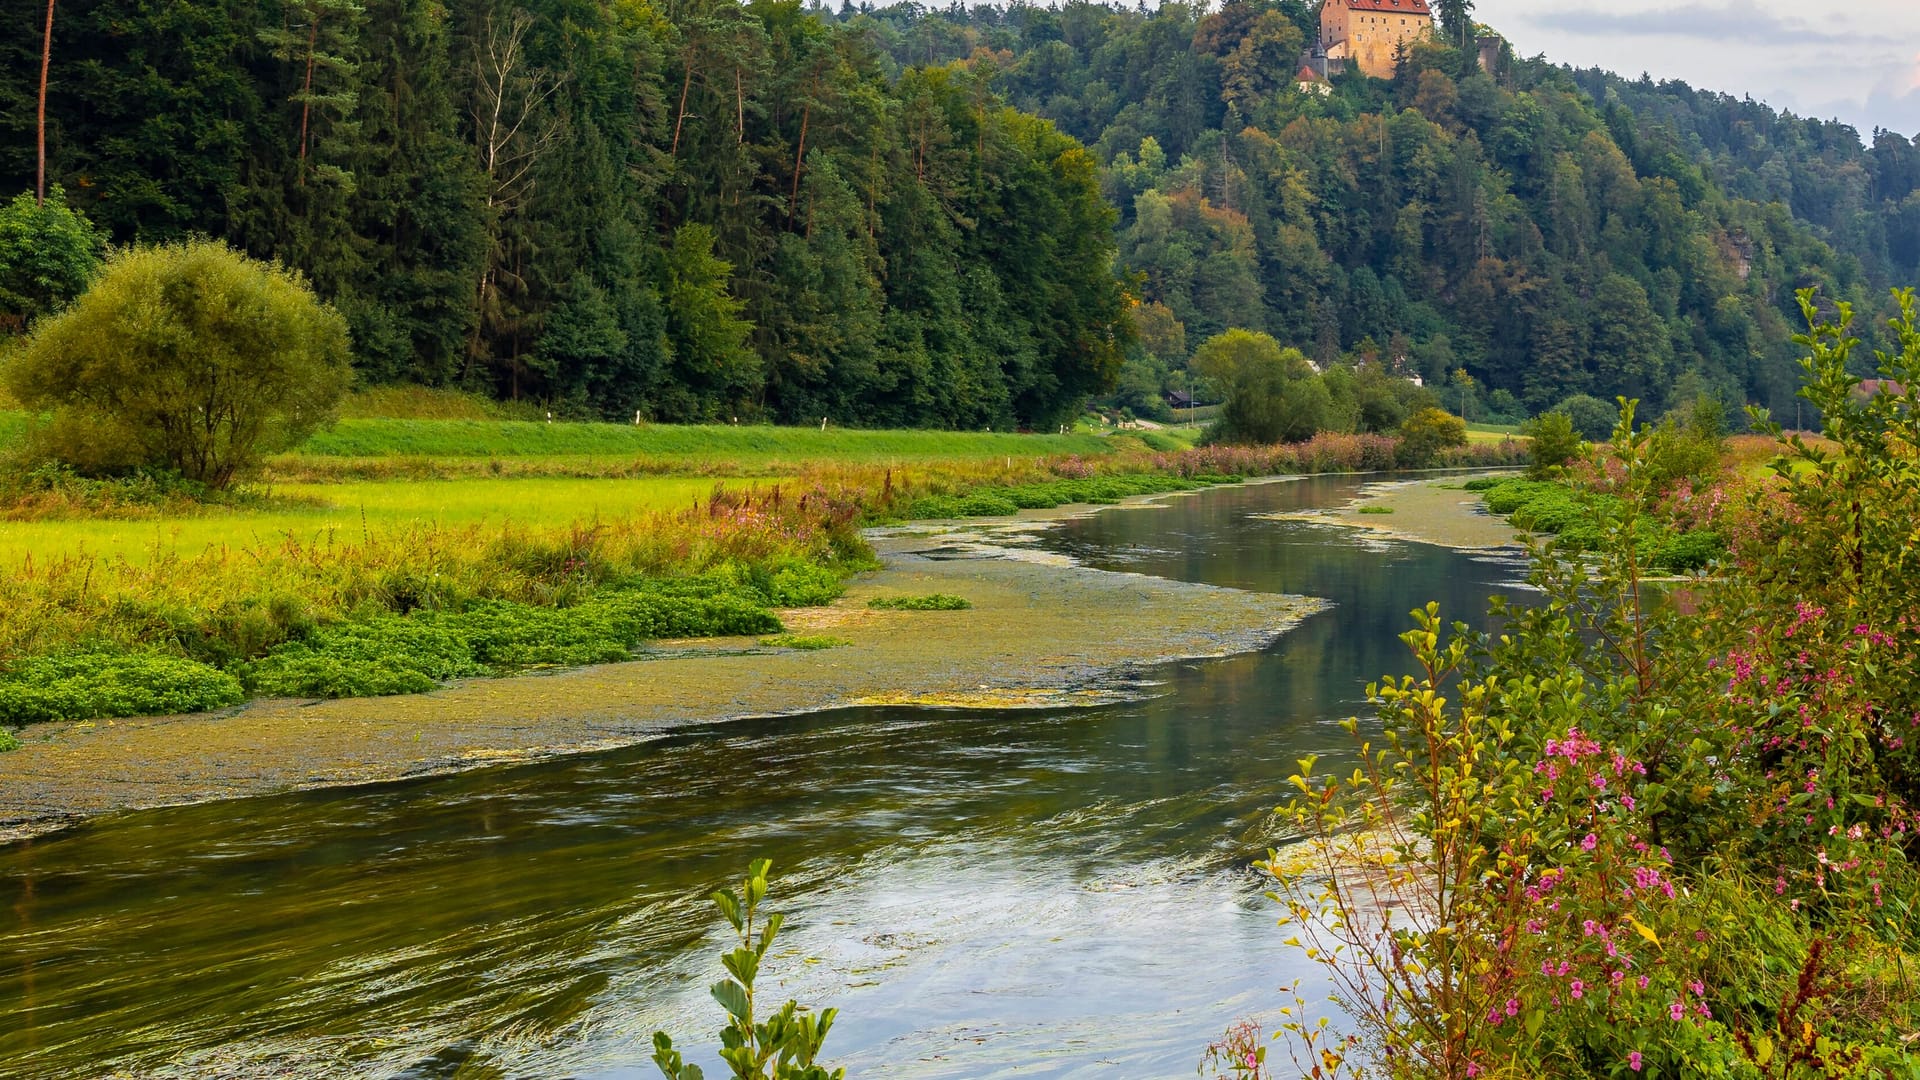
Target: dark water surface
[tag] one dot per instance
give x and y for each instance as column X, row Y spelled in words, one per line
column 981, row 893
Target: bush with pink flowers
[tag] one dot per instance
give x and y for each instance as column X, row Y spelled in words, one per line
column 1648, row 830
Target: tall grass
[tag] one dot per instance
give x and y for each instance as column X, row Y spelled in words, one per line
column 407, row 402
column 238, row 599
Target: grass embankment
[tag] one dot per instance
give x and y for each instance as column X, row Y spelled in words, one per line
column 120, row 603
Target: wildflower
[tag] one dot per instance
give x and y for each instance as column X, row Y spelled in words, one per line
column 1578, row 988
column 1633, row 1061
column 1589, row 842
column 1676, row 1010
column 1513, row 1006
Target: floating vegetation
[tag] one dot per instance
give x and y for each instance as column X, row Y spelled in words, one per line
column 929, row 602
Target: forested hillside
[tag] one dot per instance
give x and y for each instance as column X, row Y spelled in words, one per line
column 693, row 209
column 1549, row 231
column 698, row 209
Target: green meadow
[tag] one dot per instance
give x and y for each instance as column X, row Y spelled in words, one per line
column 373, row 475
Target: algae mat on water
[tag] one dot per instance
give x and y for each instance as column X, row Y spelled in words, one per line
column 1039, row 634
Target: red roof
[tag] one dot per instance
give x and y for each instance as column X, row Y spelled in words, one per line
column 1307, row 74
column 1403, row 7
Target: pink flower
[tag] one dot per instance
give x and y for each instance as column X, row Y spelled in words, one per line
column 1579, row 989
column 1589, row 842
column 1513, row 1006
column 1676, row 1010
column 1633, row 1061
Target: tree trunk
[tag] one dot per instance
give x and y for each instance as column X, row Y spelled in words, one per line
column 799, row 161
column 306, row 94
column 40, row 129
column 681, row 116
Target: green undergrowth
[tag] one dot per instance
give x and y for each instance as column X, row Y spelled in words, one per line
column 84, row 683
column 378, row 651
column 1000, row 501
column 929, row 602
column 1576, row 518
column 1376, row 510
column 384, row 653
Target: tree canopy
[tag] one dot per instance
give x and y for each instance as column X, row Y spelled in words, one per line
column 189, row 357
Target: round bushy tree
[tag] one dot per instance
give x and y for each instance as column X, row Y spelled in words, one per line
column 189, row 357
column 1425, row 434
column 1272, row 394
column 1592, row 418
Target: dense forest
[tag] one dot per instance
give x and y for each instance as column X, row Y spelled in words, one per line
column 690, row 210
column 1544, row 231
column 973, row 216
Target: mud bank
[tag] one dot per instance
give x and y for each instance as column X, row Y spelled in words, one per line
column 1430, row 511
column 1042, row 633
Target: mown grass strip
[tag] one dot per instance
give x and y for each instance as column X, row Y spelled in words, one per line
column 506, row 438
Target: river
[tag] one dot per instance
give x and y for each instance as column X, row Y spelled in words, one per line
column 982, row 894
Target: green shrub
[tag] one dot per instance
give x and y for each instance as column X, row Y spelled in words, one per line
column 190, row 357
column 1484, row 483
column 83, row 684
column 375, row 658
column 804, row 641
column 1592, row 418
column 1553, row 443
column 933, row 507
column 985, row 505
column 8, row 742
column 798, row 584
column 506, row 636
column 1689, row 551
column 1425, row 434
column 929, row 602
column 48, row 254
column 666, row 613
column 1376, row 510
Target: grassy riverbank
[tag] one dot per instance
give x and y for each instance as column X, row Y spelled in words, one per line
column 388, row 556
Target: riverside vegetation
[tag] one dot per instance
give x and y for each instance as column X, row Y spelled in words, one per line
column 332, row 608
column 1622, row 837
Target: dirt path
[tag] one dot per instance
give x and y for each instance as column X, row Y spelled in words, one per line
column 1041, row 633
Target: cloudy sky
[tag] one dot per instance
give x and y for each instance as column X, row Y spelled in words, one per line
column 1857, row 61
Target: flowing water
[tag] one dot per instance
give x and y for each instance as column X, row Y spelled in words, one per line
column 982, row 894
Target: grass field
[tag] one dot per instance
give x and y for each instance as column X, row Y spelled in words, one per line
column 692, row 443
column 349, row 509
column 1492, row 433
column 375, row 475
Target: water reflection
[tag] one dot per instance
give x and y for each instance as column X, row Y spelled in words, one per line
column 982, row 893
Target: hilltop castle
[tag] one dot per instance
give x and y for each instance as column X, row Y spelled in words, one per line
column 1368, row 33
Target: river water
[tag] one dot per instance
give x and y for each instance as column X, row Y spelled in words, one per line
column 982, row 894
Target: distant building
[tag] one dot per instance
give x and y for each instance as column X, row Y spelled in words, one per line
column 1369, row 33
column 1312, row 82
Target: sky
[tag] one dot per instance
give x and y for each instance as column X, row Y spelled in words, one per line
column 1857, row 61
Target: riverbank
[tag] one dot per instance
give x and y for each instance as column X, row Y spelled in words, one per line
column 1432, row 510
column 1039, row 634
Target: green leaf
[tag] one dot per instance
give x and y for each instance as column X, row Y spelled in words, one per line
column 733, row 998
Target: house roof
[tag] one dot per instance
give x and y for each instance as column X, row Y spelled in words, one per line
column 1307, row 74
column 1403, row 7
